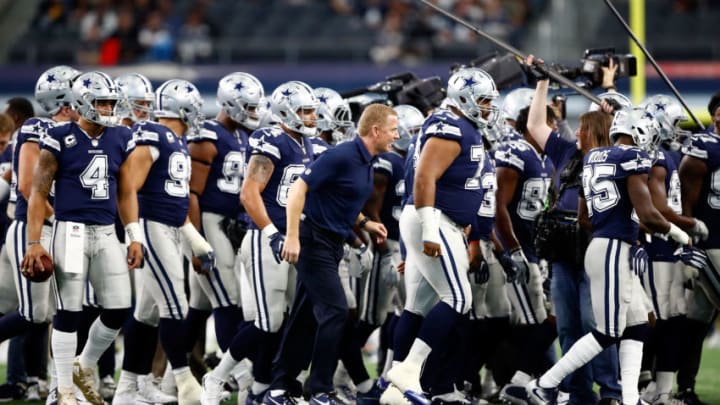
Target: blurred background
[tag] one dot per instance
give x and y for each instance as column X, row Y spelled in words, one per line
column 343, row 44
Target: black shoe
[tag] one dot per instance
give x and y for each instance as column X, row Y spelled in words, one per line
column 689, row 397
column 609, row 401
column 12, row 392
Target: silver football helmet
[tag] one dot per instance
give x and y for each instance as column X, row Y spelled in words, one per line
column 668, row 113
column 333, row 113
column 639, row 124
column 53, row 89
column 410, row 122
column 515, row 101
column 239, row 95
column 135, row 88
column 289, row 98
column 88, row 89
column 180, row 99
column 618, row 97
column 466, row 87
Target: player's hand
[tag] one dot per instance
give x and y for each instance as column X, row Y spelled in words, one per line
column 31, row 262
column 678, row 235
column 692, row 256
column 277, row 240
column 401, row 267
column 203, row 264
column 378, row 230
column 521, row 265
column 699, row 231
column 639, row 260
column 478, row 266
column 291, row 250
column 135, row 255
column 508, row 266
column 431, row 249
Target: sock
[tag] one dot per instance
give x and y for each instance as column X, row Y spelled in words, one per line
column 171, row 337
column 227, row 320
column 418, row 353
column 405, row 332
column 579, row 354
column 663, row 382
column 630, row 354
column 223, row 369
column 388, row 363
column 258, row 388
column 438, row 325
column 127, row 379
column 100, row 337
column 364, row 386
column 63, row 347
column 194, row 320
column 13, row 324
column 180, row 372
column 140, row 342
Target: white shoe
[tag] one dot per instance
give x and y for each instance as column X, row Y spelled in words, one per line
column 33, row 392
column 649, row 393
column 212, row 390
column 167, row 382
column 148, row 392
column 125, row 397
column 107, row 387
column 66, row 396
column 406, row 377
column 393, row 396
column 488, row 386
column 189, row 390
column 666, row 399
column 84, row 379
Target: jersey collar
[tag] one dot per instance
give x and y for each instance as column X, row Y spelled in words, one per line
column 366, row 156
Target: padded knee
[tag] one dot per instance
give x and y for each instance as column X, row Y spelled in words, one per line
column 67, row 321
column 114, row 318
column 637, row 332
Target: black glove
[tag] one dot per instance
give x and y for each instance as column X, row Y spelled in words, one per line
column 508, row 266
column 481, row 272
column 539, row 72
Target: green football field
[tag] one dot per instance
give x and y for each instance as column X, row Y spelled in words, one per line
column 708, row 382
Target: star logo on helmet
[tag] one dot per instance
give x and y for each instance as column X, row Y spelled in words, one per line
column 648, row 115
column 323, row 99
column 287, row 93
column 87, row 83
column 189, row 89
column 239, row 86
column 51, row 78
column 660, row 106
column 468, row 82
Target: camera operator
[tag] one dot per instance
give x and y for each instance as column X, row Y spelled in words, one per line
column 558, row 232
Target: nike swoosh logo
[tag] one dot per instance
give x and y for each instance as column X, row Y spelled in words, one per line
column 539, row 393
column 321, row 402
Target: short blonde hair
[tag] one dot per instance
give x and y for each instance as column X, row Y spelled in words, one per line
column 374, row 114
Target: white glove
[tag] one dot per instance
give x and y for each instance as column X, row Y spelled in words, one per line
column 388, row 270
column 360, row 261
column 699, row 230
column 198, row 244
column 522, row 267
column 678, row 235
column 430, row 220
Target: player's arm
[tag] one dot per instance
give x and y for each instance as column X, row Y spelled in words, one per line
column 132, row 176
column 537, row 116
column 260, row 169
column 646, row 211
column 656, row 185
column 507, row 180
column 27, row 160
column 43, row 177
column 374, row 204
column 202, row 155
column 437, row 155
column 693, row 172
column 296, row 203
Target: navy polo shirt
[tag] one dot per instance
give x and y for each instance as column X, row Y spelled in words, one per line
column 560, row 151
column 339, row 183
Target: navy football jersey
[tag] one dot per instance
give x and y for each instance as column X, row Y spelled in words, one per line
column 605, row 173
column 86, row 178
column 392, row 165
column 164, row 197
column 222, row 188
column 319, row 146
column 290, row 158
column 482, row 229
column 659, row 249
column 706, row 147
column 32, row 131
column 458, row 192
column 534, row 181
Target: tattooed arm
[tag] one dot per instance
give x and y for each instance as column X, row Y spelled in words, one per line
column 259, row 170
column 42, row 182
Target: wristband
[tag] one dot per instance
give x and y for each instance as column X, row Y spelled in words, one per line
column 363, row 222
column 133, row 231
column 33, row 242
column 269, row 230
